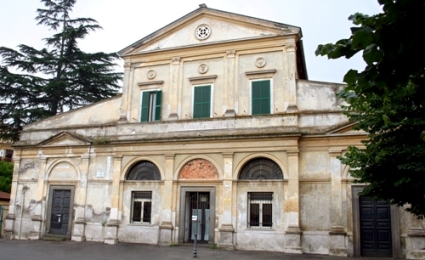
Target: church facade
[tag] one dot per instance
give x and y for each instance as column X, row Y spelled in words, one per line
column 219, row 137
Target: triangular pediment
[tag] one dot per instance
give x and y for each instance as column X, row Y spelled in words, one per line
column 221, row 27
column 346, row 130
column 65, row 139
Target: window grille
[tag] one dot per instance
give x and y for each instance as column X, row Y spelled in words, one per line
column 260, row 209
column 144, row 171
column 261, row 168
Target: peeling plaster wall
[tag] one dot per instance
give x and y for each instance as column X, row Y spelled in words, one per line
column 89, row 115
column 255, row 238
column 313, row 200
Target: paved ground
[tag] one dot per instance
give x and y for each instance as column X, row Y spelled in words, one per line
column 66, row 250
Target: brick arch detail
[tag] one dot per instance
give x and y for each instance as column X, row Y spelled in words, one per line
column 198, row 169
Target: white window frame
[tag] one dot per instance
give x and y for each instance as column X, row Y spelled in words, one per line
column 152, row 105
column 142, row 201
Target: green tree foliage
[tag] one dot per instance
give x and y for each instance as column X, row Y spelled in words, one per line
column 35, row 84
column 387, row 99
column 6, row 171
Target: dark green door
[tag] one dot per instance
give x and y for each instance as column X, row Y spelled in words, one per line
column 375, row 228
column 60, row 210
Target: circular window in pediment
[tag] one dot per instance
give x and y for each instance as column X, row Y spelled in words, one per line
column 203, row 32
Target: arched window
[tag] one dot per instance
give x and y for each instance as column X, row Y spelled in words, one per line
column 261, row 169
column 144, row 170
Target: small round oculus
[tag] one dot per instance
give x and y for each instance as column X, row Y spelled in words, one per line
column 203, row 32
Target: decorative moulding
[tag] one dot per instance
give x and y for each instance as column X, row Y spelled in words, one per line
column 260, row 74
column 260, row 62
column 203, row 79
column 158, row 82
column 202, row 32
column 151, row 74
column 203, row 68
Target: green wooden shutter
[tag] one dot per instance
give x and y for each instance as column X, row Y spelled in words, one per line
column 261, row 97
column 145, row 107
column 202, row 102
column 158, row 105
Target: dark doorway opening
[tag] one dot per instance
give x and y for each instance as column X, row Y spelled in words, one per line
column 198, row 217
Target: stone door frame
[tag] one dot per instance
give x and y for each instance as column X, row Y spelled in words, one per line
column 49, row 209
column 395, row 222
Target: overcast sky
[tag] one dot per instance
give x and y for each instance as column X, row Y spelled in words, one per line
column 126, row 21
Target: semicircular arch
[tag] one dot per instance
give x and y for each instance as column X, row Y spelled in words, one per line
column 206, row 159
column 135, row 161
column 247, row 159
column 65, row 174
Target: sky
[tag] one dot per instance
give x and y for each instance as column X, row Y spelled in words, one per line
column 126, row 21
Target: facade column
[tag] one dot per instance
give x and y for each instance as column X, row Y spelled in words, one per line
column 226, row 229
column 11, row 216
column 337, row 234
column 125, row 102
column 174, row 89
column 37, row 216
column 230, row 83
column 166, row 218
column 78, row 231
column 291, row 95
column 292, row 206
column 111, row 236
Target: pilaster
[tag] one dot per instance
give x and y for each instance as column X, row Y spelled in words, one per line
column 79, row 224
column 226, row 230
column 292, row 74
column 174, row 88
column 292, row 206
column 230, row 83
column 111, row 236
column 337, row 234
column 125, row 106
column 166, row 227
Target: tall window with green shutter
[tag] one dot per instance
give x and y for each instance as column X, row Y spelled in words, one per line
column 202, row 102
column 151, row 106
column 261, row 97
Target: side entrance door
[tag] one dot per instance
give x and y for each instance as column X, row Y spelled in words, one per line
column 60, row 216
column 375, row 228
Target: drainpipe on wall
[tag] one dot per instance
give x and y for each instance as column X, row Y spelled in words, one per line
column 24, row 189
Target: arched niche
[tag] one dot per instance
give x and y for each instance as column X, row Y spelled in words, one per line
column 198, row 169
column 63, row 170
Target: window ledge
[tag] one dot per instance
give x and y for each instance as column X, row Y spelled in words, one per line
column 260, row 229
column 140, row 225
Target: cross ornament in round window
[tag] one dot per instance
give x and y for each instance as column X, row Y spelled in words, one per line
column 203, row 32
